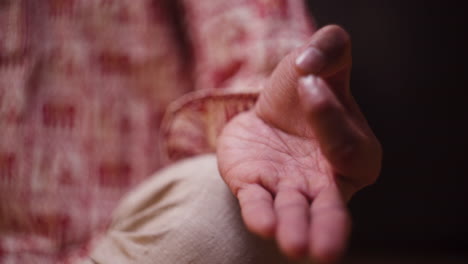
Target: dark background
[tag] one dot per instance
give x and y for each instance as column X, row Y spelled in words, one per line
column 410, row 67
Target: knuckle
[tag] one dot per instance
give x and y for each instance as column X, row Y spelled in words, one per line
column 344, row 152
column 360, row 156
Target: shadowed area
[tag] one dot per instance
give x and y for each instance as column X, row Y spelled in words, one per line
column 407, row 77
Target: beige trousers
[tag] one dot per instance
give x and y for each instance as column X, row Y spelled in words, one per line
column 183, row 214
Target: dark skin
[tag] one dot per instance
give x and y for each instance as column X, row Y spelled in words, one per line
column 297, row 158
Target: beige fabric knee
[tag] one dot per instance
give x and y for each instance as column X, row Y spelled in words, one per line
column 183, row 214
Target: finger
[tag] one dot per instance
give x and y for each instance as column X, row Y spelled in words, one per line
column 328, row 52
column 350, row 150
column 292, row 212
column 330, row 226
column 257, row 210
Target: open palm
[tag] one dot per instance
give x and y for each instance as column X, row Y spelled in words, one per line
column 276, row 175
column 299, row 155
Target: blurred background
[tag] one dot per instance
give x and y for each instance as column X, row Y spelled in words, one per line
column 409, row 77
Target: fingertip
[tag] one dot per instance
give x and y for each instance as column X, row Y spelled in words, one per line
column 340, row 35
column 293, row 247
column 333, row 41
column 263, row 225
column 327, row 52
column 293, row 240
column 315, row 96
column 326, row 255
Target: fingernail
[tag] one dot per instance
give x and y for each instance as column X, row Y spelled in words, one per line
column 311, row 60
column 309, row 84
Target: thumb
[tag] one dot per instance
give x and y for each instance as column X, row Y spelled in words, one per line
column 327, row 54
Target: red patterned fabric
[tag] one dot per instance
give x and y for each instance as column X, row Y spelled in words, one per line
column 84, row 86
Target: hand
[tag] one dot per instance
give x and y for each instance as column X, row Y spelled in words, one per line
column 297, row 158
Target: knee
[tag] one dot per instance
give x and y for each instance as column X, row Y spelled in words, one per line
column 211, row 229
column 186, row 214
